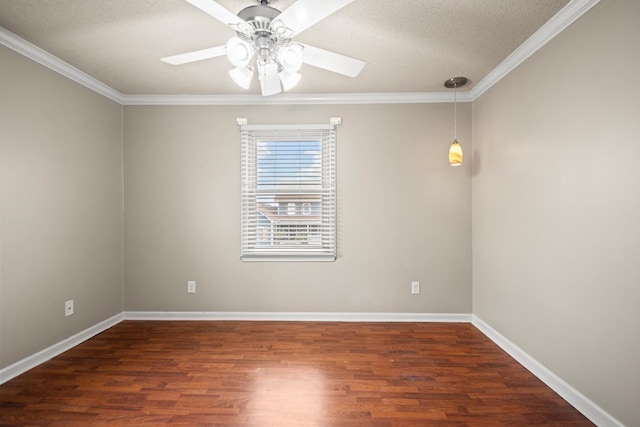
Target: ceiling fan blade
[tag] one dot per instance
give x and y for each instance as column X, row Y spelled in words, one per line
column 332, row 61
column 212, row 8
column 269, row 79
column 304, row 13
column 197, row 55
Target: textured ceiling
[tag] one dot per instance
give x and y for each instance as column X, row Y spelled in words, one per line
column 408, row 45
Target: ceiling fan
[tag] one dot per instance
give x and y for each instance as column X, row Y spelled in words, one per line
column 264, row 38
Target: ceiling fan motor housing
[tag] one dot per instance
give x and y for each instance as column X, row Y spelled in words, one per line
column 262, row 22
column 264, row 32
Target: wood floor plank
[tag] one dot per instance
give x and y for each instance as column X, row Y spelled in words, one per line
column 261, row 374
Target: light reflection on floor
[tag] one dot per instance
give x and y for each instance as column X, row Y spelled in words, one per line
column 288, row 396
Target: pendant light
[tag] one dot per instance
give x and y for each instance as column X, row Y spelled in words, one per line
column 455, row 151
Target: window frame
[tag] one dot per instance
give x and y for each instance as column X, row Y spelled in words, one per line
column 321, row 237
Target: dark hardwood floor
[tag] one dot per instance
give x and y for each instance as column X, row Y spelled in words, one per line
column 279, row 374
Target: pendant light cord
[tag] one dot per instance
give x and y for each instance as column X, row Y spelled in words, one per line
column 455, row 112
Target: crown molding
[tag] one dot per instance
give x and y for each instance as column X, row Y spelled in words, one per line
column 554, row 26
column 299, row 99
column 43, row 57
column 572, row 11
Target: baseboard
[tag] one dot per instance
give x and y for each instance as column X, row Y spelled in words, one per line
column 298, row 316
column 588, row 408
column 36, row 359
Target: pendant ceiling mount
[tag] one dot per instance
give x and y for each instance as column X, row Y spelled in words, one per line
column 455, row 82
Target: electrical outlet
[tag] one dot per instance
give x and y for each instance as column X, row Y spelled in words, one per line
column 68, row 308
column 415, row 288
column 191, row 287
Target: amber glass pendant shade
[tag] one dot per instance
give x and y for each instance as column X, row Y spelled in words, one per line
column 455, row 154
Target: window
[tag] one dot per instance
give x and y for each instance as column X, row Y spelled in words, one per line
column 288, row 192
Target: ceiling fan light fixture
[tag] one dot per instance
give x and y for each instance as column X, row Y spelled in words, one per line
column 239, row 52
column 291, row 57
column 242, row 77
column 263, row 46
column 289, row 80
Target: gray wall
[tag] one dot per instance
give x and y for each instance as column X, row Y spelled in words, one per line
column 555, row 180
column 61, row 207
column 556, row 202
column 403, row 213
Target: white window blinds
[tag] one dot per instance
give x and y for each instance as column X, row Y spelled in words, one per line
column 288, row 192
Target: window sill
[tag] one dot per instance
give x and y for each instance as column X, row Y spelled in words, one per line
column 288, row 258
